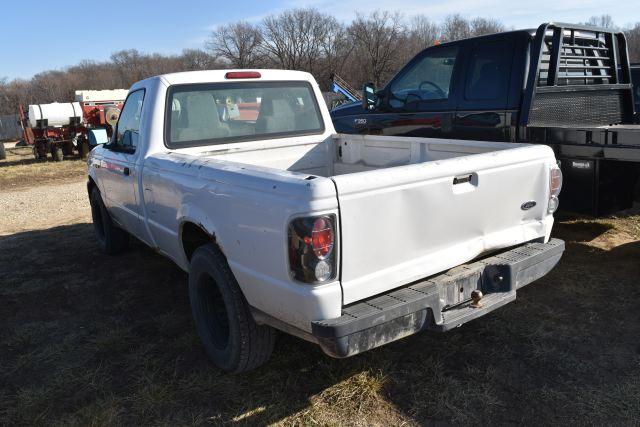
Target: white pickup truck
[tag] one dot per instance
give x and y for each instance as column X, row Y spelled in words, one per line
column 347, row 241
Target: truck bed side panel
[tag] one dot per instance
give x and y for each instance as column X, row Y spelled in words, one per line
column 246, row 212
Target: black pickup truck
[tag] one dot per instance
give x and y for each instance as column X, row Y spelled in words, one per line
column 567, row 86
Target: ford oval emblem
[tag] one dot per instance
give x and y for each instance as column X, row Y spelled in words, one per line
column 528, row 205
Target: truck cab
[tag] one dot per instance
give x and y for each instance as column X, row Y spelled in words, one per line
column 467, row 89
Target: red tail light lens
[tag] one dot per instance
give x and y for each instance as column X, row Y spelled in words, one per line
column 242, row 75
column 312, row 254
column 322, row 237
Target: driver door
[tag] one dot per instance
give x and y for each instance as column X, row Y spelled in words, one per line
column 119, row 171
column 421, row 100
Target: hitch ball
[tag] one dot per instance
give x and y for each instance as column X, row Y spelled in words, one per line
column 476, row 297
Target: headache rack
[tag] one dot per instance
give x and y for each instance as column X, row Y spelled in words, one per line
column 578, row 75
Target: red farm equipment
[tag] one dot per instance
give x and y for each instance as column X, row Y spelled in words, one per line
column 63, row 129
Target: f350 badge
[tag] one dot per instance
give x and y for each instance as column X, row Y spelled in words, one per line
column 359, row 122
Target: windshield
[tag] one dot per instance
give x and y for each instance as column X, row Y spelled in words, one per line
column 204, row 114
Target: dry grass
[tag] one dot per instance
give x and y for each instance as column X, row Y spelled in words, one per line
column 90, row 339
column 20, row 170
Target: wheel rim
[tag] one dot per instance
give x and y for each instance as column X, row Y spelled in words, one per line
column 213, row 312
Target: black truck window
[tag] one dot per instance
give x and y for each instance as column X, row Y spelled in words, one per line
column 488, row 72
column 427, row 80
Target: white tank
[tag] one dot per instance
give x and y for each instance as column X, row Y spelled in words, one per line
column 57, row 114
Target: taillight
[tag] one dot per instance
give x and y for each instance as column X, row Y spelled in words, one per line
column 555, row 185
column 322, row 237
column 312, row 254
column 555, row 181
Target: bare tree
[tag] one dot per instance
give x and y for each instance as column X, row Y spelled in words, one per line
column 52, row 86
column 377, row 40
column 130, row 65
column 335, row 51
column 296, row 39
column 604, row 21
column 423, row 32
column 238, row 43
column 482, row 26
column 455, row 27
column 633, row 42
column 197, row 59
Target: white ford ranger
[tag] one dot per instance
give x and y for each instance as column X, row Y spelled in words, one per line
column 347, row 241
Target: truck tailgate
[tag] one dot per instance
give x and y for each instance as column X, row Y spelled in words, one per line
column 404, row 223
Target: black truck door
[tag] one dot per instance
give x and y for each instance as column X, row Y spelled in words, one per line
column 483, row 111
column 420, row 100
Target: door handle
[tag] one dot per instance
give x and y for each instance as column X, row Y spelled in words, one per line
column 126, row 171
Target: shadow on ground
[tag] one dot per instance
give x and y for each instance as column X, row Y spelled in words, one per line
column 89, row 338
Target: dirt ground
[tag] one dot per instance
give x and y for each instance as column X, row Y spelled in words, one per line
column 20, row 170
column 92, row 339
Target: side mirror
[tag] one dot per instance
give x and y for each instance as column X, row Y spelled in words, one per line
column 369, row 97
column 97, row 137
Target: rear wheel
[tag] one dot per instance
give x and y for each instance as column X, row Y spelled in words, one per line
column 111, row 239
column 230, row 336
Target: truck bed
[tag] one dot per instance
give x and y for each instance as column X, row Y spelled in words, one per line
column 347, row 154
column 412, row 207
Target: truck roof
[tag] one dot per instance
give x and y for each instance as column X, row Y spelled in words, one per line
column 530, row 32
column 213, row 76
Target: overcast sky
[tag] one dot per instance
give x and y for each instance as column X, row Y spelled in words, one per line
column 41, row 35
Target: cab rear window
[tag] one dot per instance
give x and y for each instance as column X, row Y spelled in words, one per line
column 206, row 114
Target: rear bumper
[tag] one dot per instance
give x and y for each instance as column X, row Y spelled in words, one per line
column 438, row 303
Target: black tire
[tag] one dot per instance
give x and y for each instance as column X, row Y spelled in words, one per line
column 231, row 338
column 111, row 239
column 3, row 152
column 57, row 153
column 40, row 151
column 83, row 148
column 67, row 148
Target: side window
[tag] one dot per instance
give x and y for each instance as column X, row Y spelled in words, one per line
column 488, row 72
column 429, row 79
column 128, row 128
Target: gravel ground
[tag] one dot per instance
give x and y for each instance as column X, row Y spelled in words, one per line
column 43, row 207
